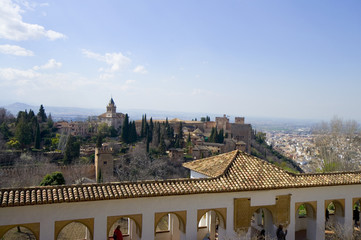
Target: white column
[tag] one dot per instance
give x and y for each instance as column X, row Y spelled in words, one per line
column 320, row 229
column 348, row 221
column 191, row 228
column 148, row 226
column 47, row 229
column 292, row 225
column 100, row 227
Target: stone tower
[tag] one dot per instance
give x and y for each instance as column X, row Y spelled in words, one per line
column 104, row 164
column 111, row 108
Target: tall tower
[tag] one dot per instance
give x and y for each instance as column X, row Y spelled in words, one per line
column 111, row 108
column 103, row 164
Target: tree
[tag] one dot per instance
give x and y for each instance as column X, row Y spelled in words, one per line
column 337, row 143
column 99, row 141
column 41, row 114
column 23, row 131
column 103, row 130
column 72, row 150
column 56, row 178
column 213, row 136
column 5, row 131
column 5, row 116
column 37, row 137
column 125, row 129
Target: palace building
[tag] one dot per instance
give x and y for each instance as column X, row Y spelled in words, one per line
column 111, row 117
column 230, row 196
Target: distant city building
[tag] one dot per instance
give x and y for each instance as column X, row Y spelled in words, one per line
column 111, row 117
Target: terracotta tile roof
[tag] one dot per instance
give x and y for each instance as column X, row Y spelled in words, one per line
column 234, row 171
column 212, row 166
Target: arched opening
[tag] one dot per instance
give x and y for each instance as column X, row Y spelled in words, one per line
column 75, row 230
column 19, row 233
column 356, row 218
column 305, row 224
column 128, row 227
column 262, row 219
column 334, row 216
column 169, row 226
column 212, row 223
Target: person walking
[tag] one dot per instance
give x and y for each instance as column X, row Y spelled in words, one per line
column 117, row 235
column 281, row 235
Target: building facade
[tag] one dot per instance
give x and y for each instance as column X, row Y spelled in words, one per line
column 230, row 196
column 111, row 117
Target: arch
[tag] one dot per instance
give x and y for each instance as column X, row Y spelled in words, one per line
column 88, row 223
column 221, row 212
column 310, row 207
column 137, row 218
column 268, row 208
column 34, row 228
column 335, row 217
column 306, row 225
column 211, row 226
column 181, row 215
column 339, row 205
column 263, row 218
column 356, row 207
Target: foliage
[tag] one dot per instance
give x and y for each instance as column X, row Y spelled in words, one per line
column 13, row 143
column 56, row 178
column 205, row 119
column 72, row 150
column 139, row 165
column 41, row 114
column 338, row 143
column 216, row 137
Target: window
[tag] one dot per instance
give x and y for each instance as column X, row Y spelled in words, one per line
column 163, row 224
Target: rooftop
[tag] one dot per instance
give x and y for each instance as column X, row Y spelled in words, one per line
column 229, row 172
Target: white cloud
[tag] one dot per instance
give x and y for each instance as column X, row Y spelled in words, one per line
column 116, row 61
column 10, row 74
column 52, row 63
column 140, row 69
column 13, row 27
column 15, row 50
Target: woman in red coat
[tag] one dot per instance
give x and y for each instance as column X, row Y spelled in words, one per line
column 118, row 234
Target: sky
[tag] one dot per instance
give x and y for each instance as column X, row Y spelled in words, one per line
column 285, row 59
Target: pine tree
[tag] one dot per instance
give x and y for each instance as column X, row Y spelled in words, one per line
column 41, row 114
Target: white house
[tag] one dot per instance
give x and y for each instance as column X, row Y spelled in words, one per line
column 234, row 196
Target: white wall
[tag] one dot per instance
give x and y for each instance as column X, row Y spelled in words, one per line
column 197, row 175
column 99, row 210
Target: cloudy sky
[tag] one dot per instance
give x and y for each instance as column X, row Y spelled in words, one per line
column 293, row 59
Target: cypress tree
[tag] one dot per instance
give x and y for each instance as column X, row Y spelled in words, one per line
column 142, row 128
column 125, row 129
column 220, row 136
column 37, row 137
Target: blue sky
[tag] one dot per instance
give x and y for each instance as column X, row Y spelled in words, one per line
column 290, row 59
